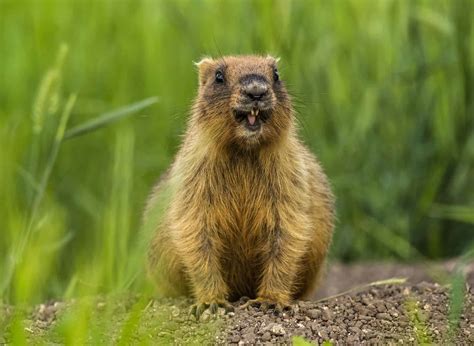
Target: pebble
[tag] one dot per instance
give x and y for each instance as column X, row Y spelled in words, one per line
column 313, row 313
column 322, row 334
column 276, row 329
column 327, row 315
column 249, row 337
column 175, row 311
column 383, row 316
column 380, row 307
column 266, row 336
column 206, row 316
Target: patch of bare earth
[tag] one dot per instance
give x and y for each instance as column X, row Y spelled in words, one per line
column 414, row 312
column 382, row 314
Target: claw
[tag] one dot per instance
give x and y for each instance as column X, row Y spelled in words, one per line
column 228, row 308
column 213, row 308
column 198, row 309
column 265, row 305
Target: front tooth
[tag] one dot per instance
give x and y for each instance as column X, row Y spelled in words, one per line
column 256, row 112
column 252, row 112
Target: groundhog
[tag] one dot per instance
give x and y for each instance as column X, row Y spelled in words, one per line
column 245, row 210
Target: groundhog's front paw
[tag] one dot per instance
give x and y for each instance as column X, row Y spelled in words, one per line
column 265, row 304
column 198, row 309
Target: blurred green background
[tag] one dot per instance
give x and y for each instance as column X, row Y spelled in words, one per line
column 384, row 92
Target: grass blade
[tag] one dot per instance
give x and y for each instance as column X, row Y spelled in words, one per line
column 109, row 117
column 458, row 213
column 392, row 281
column 17, row 251
column 52, row 157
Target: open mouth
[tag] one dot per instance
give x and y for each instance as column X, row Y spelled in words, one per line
column 252, row 119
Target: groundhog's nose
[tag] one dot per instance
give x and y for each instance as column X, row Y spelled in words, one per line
column 255, row 89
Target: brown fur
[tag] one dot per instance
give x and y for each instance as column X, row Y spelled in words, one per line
column 248, row 214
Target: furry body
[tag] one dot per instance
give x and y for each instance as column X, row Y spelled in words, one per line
column 250, row 212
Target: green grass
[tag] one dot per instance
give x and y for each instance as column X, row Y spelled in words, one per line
column 384, row 92
column 418, row 322
column 120, row 319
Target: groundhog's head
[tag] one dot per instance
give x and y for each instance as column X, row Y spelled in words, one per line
column 242, row 100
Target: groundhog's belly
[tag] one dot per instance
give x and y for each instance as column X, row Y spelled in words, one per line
column 241, row 274
column 246, row 244
column 244, row 218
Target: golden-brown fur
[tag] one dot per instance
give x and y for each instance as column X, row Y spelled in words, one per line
column 249, row 213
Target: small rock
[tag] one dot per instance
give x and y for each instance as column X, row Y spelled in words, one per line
column 315, row 327
column 361, row 310
column 323, row 334
column 266, row 336
column 235, row 338
column 380, row 306
column 249, row 337
column 383, row 316
column 313, row 313
column 355, row 330
column 276, row 329
column 206, row 316
column 352, row 339
column 174, row 311
column 327, row 315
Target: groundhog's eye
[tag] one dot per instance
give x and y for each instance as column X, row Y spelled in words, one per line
column 219, row 77
column 276, row 75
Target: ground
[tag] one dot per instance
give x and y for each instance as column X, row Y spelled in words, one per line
column 417, row 311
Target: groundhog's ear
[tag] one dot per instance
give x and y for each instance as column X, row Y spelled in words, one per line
column 273, row 59
column 204, row 66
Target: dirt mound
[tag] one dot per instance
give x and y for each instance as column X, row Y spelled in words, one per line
column 385, row 314
column 340, row 277
column 412, row 312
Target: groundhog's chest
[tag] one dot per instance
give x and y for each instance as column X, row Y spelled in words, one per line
column 246, row 202
column 242, row 208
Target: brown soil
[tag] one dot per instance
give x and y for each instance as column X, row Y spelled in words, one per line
column 341, row 277
column 380, row 315
column 414, row 312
